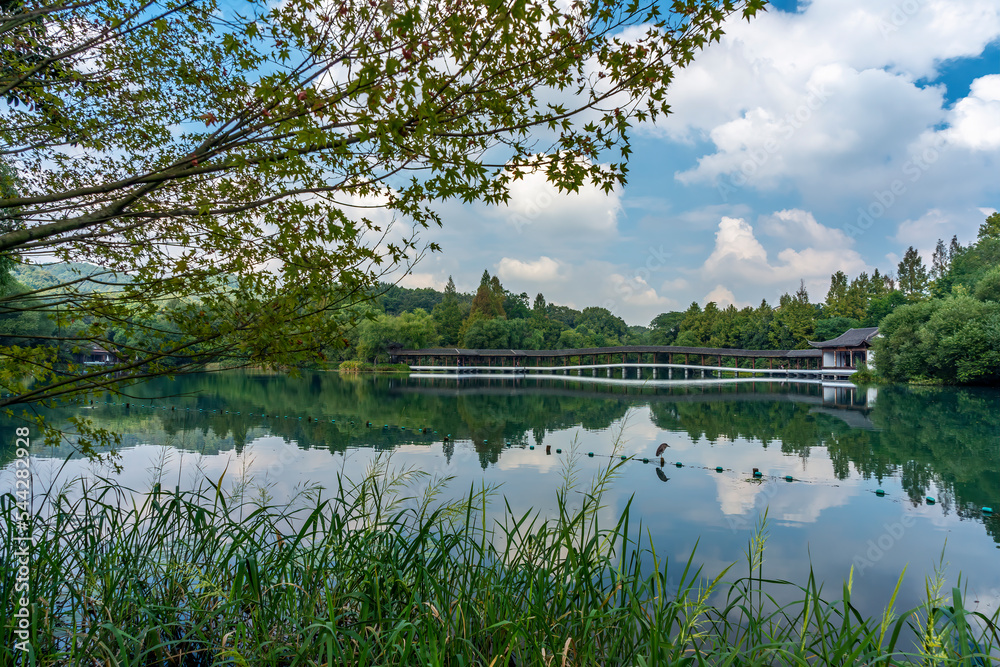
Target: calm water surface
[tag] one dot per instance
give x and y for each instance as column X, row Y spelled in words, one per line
column 839, row 445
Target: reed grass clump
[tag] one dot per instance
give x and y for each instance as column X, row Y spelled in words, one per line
column 357, row 366
column 375, row 574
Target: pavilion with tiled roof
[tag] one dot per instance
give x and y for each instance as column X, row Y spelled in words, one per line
column 848, row 349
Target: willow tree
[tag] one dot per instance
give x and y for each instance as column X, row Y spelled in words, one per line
column 244, row 174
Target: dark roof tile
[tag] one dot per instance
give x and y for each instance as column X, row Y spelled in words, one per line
column 850, row 338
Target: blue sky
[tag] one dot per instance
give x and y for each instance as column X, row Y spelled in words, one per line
column 823, row 136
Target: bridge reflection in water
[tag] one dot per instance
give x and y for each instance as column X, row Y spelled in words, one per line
column 839, row 399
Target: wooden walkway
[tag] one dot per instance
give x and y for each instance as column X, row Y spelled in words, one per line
column 625, row 359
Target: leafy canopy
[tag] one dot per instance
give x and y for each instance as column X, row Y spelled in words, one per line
column 262, row 166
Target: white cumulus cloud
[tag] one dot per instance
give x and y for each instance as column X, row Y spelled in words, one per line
column 806, row 251
column 975, row 120
column 543, row 269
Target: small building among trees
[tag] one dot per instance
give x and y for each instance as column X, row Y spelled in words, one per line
column 849, row 349
column 95, row 355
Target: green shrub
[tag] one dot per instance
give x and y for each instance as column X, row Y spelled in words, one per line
column 864, row 375
column 951, row 340
column 357, row 366
column 354, row 366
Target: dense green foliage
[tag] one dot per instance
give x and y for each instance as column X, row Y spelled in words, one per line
column 953, row 337
column 954, row 340
column 258, row 173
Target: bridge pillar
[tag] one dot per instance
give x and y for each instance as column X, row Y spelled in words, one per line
column 670, row 373
column 593, row 372
column 686, row 372
column 654, row 372
column 703, row 373
column 609, row 371
column 579, row 371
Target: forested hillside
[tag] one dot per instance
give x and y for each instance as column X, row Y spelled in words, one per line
column 944, row 324
column 939, row 324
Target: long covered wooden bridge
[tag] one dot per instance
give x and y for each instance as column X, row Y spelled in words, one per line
column 630, row 360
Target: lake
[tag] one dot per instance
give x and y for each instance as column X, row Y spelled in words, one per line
column 838, row 445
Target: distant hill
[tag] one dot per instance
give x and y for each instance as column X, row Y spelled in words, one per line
column 40, row 276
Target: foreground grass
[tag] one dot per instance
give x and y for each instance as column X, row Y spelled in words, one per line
column 379, row 574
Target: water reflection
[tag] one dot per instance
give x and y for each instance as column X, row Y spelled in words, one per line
column 933, row 439
column 837, row 444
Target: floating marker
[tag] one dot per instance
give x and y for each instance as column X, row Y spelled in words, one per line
column 718, row 468
column 789, row 478
column 558, row 451
column 879, row 492
column 987, row 510
column 930, row 500
column 531, row 447
column 679, row 464
column 757, row 473
column 624, row 457
column 645, row 460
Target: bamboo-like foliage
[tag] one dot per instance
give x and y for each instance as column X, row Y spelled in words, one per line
column 375, row 575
